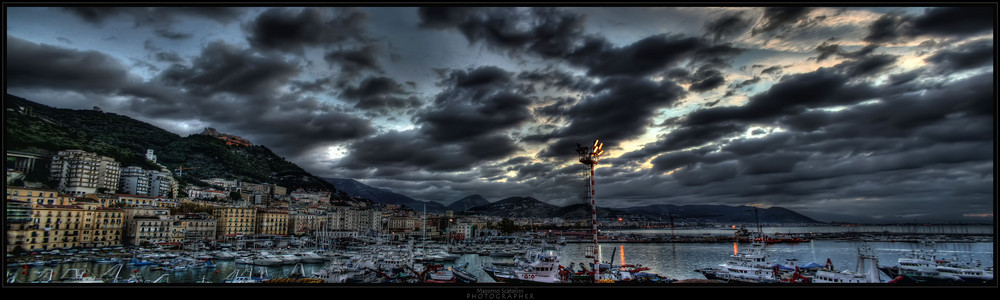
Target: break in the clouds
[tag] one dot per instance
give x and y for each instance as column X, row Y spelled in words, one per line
column 869, row 113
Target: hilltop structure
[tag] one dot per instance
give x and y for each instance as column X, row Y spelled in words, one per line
column 232, row 140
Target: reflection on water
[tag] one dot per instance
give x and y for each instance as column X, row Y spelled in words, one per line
column 915, row 229
column 677, row 261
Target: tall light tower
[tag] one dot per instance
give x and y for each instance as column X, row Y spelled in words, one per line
column 589, row 157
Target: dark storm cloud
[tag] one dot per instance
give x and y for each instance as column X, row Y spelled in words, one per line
column 438, row 17
column 400, row 149
column 886, row 29
column 556, row 34
column 33, row 65
column 757, row 145
column 675, row 160
column 773, row 70
column 408, row 151
column 155, row 16
column 778, row 17
column 620, row 109
column 866, row 66
column 286, row 30
column 170, row 57
column 557, row 80
column 238, row 91
column 97, row 15
column 465, row 127
column 688, row 136
column 901, row 78
column 381, row 94
column 827, row 50
column 172, row 34
column 780, row 162
column 353, row 62
column 301, row 131
column 706, row 80
column 317, row 85
column 555, row 111
column 475, row 102
column 547, row 32
column 702, row 174
column 974, row 54
column 896, row 116
column 728, row 25
column 223, row 67
column 747, row 82
column 857, row 128
column 795, row 92
column 489, row 147
column 946, row 21
column 938, row 22
column 648, row 55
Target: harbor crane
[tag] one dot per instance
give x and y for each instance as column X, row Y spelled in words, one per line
column 589, row 157
column 180, row 170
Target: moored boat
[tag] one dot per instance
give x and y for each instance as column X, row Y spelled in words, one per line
column 462, row 275
column 78, row 276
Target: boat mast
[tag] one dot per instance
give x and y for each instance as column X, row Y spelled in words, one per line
column 589, row 157
column 760, row 230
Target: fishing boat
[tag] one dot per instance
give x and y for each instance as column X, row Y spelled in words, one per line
column 438, row 274
column 543, row 268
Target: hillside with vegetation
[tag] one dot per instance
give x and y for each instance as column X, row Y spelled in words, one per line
column 36, row 128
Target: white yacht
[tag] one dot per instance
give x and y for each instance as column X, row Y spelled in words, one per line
column 267, row 259
column 310, row 257
column 867, row 270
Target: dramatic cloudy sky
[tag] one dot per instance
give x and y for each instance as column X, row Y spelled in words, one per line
column 874, row 112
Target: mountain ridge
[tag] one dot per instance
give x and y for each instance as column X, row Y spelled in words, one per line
column 467, row 202
column 381, row 195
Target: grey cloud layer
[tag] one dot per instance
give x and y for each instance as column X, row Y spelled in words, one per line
column 868, row 126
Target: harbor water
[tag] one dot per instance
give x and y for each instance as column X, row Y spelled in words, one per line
column 674, row 260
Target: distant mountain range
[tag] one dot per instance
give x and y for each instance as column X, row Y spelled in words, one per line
column 530, row 207
column 468, row 202
column 520, row 207
column 357, row 189
column 721, row 213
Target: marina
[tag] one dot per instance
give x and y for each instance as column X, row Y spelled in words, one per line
column 676, row 261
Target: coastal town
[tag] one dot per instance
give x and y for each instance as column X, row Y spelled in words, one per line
column 497, row 151
column 113, row 217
